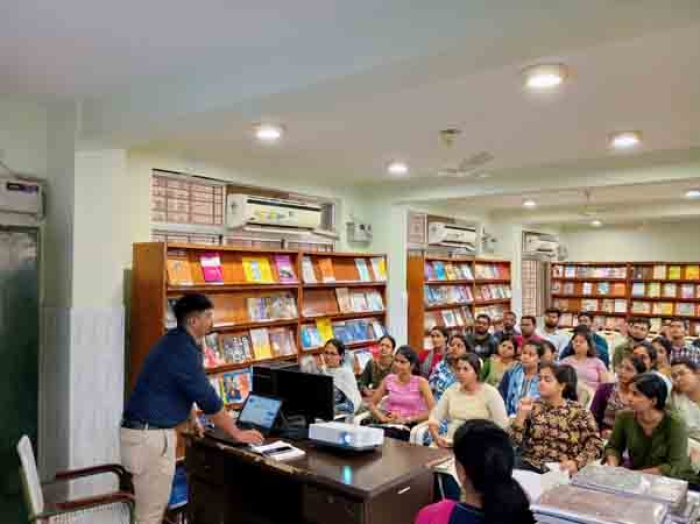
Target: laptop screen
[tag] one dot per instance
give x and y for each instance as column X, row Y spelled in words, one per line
column 260, row 411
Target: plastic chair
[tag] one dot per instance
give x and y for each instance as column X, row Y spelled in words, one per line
column 116, row 507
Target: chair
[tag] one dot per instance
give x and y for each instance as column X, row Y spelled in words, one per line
column 116, row 507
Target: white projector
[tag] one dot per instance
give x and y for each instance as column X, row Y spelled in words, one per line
column 347, row 436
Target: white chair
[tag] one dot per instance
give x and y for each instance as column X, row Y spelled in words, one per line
column 418, row 433
column 113, row 508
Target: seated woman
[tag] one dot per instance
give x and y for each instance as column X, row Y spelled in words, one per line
column 522, row 380
column 442, row 376
column 468, row 399
column 686, row 395
column 663, row 348
column 550, row 352
column 430, row 358
column 484, row 462
column 647, row 353
column 611, row 398
column 555, row 428
column 347, row 396
column 589, row 368
column 497, row 365
column 655, row 441
column 377, row 369
column 408, row 396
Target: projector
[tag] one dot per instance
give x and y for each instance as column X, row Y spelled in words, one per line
column 346, row 436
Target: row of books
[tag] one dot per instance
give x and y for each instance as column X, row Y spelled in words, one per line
column 327, row 273
column 439, row 295
column 492, row 292
column 457, row 317
column 255, row 344
column 666, row 272
column 667, row 290
column 605, row 305
column 492, row 271
column 359, row 301
column 256, row 270
column 572, row 271
column 682, row 309
column 280, row 306
column 494, row 311
column 615, row 289
column 350, row 331
column 439, row 270
column 233, row 387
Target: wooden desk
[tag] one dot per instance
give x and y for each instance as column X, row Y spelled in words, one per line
column 232, row 485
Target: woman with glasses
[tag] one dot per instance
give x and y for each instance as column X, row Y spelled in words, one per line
column 346, row 395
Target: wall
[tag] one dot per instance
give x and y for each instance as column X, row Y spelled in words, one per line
column 672, row 241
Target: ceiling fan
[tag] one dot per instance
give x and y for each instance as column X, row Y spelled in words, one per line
column 589, row 211
column 465, row 167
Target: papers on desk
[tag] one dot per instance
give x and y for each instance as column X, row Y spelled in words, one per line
column 279, row 450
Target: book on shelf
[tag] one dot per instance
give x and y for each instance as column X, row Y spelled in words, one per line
column 281, row 306
column 285, row 269
column 178, row 269
column 260, row 339
column 439, row 268
column 325, row 266
column 170, row 320
column 557, row 271
column 282, row 342
column 450, row 271
column 342, row 294
column 569, row 288
column 211, row 351
column 674, row 272
column 236, row 386
column 362, row 270
column 587, row 288
column 307, row 270
column 641, row 307
column 236, row 348
column 216, row 384
column 375, row 302
column 211, row 268
column 654, row 290
column 556, row 287
column 567, row 319
column 697, row 291
column 589, row 304
column 659, row 272
column 359, row 301
column 429, row 320
column 325, row 329
column 687, row 291
column 429, row 271
column 667, row 308
column 570, row 272
column 257, row 270
column 620, row 306
column 685, row 309
column 466, row 272
column 607, row 305
column 638, row 289
column 669, row 290
column 656, row 308
column 603, row 288
column 379, row 268
column 310, row 337
column 692, row 272
column 619, row 289
column 448, row 317
column 643, row 273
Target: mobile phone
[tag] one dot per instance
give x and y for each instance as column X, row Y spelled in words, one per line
column 277, row 451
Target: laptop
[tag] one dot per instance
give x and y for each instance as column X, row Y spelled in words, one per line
column 259, row 412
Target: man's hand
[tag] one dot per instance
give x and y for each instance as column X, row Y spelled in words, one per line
column 250, row 436
column 197, row 427
column 442, row 442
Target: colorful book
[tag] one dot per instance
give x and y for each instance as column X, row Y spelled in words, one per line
column 587, row 288
column 282, row 342
column 325, row 266
column 674, row 272
column 667, row 308
column 179, row 270
column 620, row 306
column 641, row 307
column 359, row 302
column 362, row 270
column 450, row 271
column 307, row 270
column 236, row 386
column 556, row 287
column 236, row 348
column 285, row 269
column 570, row 271
column 211, row 351
column 569, row 288
column 619, row 289
column 375, row 301
column 252, row 270
column 654, row 290
column 603, row 288
column 379, row 268
column 211, row 268
column 439, row 270
column 692, row 272
column 428, row 271
column 281, row 306
column 466, row 272
column 325, row 329
column 638, row 289
column 343, row 296
column 685, row 309
column 687, row 291
column 310, row 339
column 660, row 272
column 260, row 339
column 669, row 290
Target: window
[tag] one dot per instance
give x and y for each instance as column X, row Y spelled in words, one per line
column 186, row 200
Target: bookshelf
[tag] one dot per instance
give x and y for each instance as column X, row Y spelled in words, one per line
column 269, row 305
column 656, row 290
column 450, row 291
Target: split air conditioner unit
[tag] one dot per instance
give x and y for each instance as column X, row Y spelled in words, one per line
column 271, row 213
column 451, row 235
column 543, row 247
column 22, row 197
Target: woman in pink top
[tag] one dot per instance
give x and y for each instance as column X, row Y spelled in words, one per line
column 408, row 397
column 589, row 368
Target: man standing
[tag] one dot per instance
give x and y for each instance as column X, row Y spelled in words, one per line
column 585, row 319
column 680, row 348
column 510, row 330
column 637, row 331
column 481, row 340
column 558, row 338
column 171, row 381
column 528, row 325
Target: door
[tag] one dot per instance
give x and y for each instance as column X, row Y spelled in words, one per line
column 19, row 359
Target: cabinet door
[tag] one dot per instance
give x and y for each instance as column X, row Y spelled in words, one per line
column 326, row 507
column 207, row 503
column 402, row 502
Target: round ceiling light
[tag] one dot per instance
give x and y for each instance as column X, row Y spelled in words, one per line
column 625, row 140
column 545, row 77
column 596, row 223
column 529, row 204
column 397, row 168
column 692, row 193
column 268, row 133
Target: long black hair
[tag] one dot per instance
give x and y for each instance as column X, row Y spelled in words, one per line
column 409, row 354
column 565, row 375
column 486, row 454
column 652, row 387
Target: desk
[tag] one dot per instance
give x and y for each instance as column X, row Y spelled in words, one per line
column 232, row 485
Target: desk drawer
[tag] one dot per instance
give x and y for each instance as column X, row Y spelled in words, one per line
column 402, row 502
column 206, row 464
column 325, row 507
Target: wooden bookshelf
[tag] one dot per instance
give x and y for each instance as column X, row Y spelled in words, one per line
column 462, row 288
column 655, row 290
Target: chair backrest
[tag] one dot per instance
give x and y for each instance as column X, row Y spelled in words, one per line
column 30, row 477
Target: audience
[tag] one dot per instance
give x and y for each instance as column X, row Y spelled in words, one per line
column 468, row 399
column 484, row 462
column 680, row 348
column 432, row 357
column 408, row 397
column 655, row 441
column 550, row 352
column 443, row 375
column 496, row 366
column 480, row 339
column 645, row 350
column 686, row 395
column 522, row 380
column 663, row 348
column 559, row 339
column 346, row 394
column 585, row 320
column 528, row 326
column 611, row 398
column 377, row 369
column 555, row 428
column 510, row 327
column 637, row 331
column 589, row 368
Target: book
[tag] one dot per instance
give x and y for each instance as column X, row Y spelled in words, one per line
column 619, row 289
column 692, row 272
column 687, row 291
column 587, row 288
column 310, row 337
column 375, row 301
column 252, row 270
column 656, row 308
column 179, row 269
column 589, row 305
column 281, row 306
column 674, row 272
column 170, row 320
column 449, row 318
column 379, row 268
column 603, row 288
column 211, row 351
column 466, row 271
column 307, row 270
column 236, row 386
column 439, row 270
column 641, row 307
column 569, row 288
column 556, row 287
column 359, row 302
column 325, row 329
column 620, row 306
column 638, row 289
column 654, row 290
column 236, row 348
column 607, row 305
column 216, row 384
column 211, row 268
column 570, row 271
column 667, row 308
column 362, row 270
column 279, row 451
column 659, row 272
column 282, row 342
column 450, row 271
column 669, row 291
column 685, row 309
column 342, row 294
column 325, row 266
column 285, row 269
column 260, row 340
column 428, row 271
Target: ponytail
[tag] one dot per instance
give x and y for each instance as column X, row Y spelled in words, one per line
column 565, row 375
column 485, row 453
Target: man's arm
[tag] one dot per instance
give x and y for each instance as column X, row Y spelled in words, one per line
column 225, row 422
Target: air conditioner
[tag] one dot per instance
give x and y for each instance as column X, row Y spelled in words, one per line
column 442, row 234
column 247, row 210
column 538, row 246
column 20, row 196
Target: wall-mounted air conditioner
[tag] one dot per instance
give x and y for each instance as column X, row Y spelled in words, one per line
column 285, row 215
column 541, row 245
column 452, row 235
column 20, row 196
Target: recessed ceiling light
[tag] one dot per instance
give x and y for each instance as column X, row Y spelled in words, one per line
column 545, row 77
column 692, row 193
column 483, row 175
column 596, row 223
column 268, row 133
column 397, row 168
column 625, row 139
column 529, row 203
